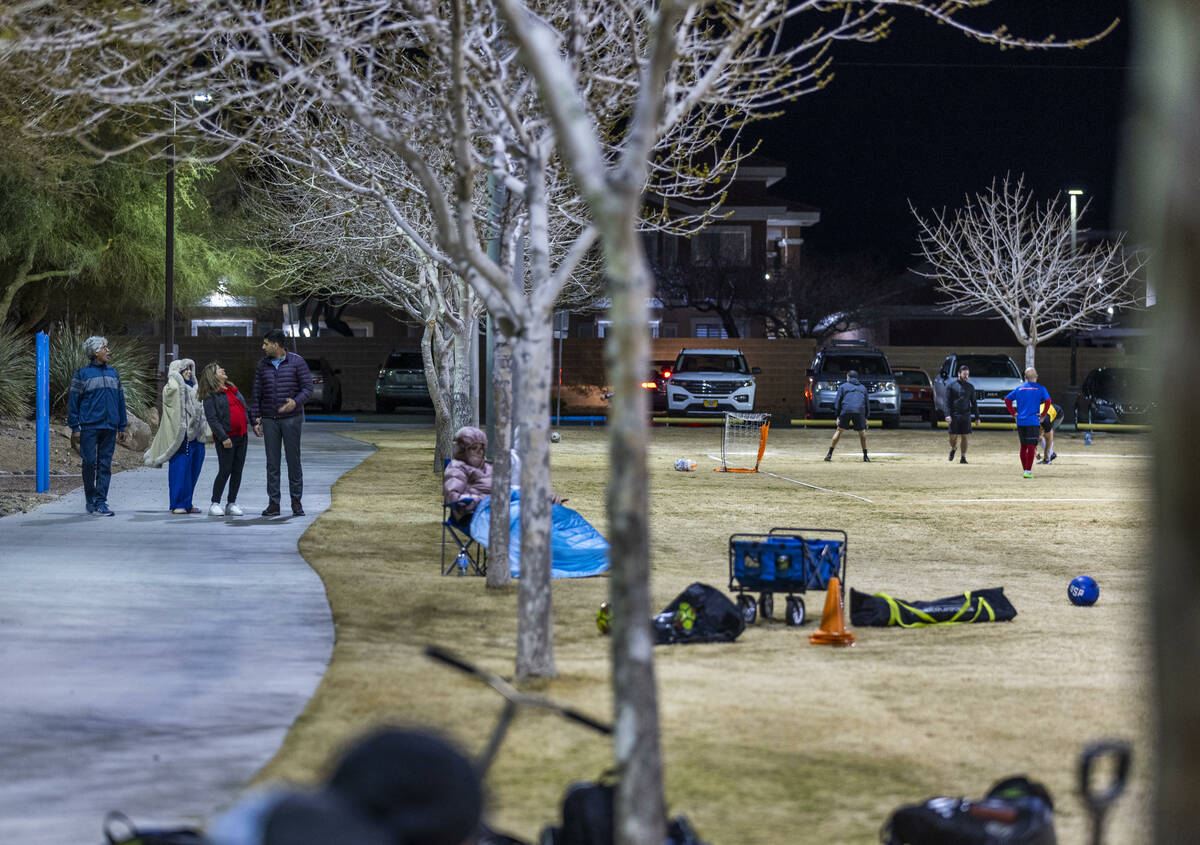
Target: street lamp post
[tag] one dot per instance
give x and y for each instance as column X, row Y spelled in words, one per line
column 1074, row 194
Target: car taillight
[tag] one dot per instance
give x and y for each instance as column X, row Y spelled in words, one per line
column 666, row 375
column 650, row 385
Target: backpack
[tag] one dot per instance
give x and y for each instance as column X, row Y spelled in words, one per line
column 700, row 614
column 1016, row 811
column 587, row 819
column 133, row 836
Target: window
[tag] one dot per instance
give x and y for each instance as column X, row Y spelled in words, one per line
column 603, row 327
column 222, row 328
column 709, row 330
column 723, row 245
column 669, row 330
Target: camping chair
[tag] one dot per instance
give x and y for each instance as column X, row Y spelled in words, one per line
column 459, row 532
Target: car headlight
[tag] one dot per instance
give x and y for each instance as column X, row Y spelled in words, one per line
column 1101, row 401
column 827, row 385
column 748, row 383
column 888, row 385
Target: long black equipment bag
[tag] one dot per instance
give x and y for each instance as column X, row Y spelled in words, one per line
column 881, row 610
column 1016, row 811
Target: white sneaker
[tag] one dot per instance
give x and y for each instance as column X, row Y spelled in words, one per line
column 215, row 509
column 233, row 510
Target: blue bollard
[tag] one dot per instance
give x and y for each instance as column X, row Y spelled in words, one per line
column 42, row 375
column 1087, row 439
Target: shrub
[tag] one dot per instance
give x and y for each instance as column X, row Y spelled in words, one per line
column 16, row 374
column 129, row 355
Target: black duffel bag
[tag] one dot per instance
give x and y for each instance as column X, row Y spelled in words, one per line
column 1016, row 811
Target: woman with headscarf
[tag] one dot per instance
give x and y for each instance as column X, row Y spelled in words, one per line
column 179, row 441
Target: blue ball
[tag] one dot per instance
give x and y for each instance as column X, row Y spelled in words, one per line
column 1083, row 591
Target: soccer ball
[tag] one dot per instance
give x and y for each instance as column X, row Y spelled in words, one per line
column 1083, row 591
column 555, row 437
column 604, row 618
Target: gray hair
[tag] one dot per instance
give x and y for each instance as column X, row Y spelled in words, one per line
column 94, row 344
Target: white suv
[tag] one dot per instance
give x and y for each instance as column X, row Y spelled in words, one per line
column 710, row 381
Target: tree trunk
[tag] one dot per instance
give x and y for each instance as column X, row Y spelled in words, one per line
column 1030, row 353
column 727, row 322
column 442, row 423
column 535, row 621
column 1166, row 167
column 498, row 574
column 19, row 280
column 462, row 404
column 640, row 812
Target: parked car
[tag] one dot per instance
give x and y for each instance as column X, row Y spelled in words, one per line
column 656, row 385
column 916, row 392
column 711, row 381
column 401, row 382
column 828, row 372
column 327, row 387
column 1115, row 395
column 994, row 375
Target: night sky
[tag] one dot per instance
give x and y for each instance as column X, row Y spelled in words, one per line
column 930, row 115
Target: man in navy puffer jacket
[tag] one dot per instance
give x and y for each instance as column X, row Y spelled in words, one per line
column 96, row 416
column 282, row 384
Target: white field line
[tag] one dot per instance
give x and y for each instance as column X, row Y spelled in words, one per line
column 815, row 487
column 1023, row 499
column 717, row 459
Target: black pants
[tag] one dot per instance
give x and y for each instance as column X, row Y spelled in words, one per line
column 229, row 468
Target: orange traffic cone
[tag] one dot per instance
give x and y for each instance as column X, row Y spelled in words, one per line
column 833, row 621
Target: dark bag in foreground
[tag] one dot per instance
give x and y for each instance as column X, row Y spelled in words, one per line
column 587, row 819
column 700, row 614
column 881, row 610
column 1016, row 811
column 131, row 835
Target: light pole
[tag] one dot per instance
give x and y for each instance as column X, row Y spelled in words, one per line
column 169, row 276
column 1074, row 194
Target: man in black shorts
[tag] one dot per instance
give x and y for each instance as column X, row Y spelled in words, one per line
column 851, row 406
column 960, row 407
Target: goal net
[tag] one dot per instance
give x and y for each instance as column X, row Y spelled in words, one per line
column 743, row 441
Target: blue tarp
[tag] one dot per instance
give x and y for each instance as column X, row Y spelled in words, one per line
column 576, row 548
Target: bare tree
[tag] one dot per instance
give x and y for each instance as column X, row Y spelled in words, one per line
column 1003, row 254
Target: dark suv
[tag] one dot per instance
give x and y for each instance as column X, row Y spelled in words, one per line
column 829, row 369
column 401, row 382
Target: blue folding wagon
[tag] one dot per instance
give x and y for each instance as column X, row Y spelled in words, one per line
column 784, row 560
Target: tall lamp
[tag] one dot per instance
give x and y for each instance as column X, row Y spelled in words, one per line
column 1074, row 194
column 169, row 285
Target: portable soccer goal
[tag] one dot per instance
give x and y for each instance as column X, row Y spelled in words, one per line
column 744, row 441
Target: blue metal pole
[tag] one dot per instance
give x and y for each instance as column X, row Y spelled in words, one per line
column 43, row 413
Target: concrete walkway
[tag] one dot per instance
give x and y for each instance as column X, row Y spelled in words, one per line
column 149, row 662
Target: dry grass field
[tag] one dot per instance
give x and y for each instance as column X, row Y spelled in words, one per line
column 771, row 739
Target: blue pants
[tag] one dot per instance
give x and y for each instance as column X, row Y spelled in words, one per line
column 96, row 449
column 182, row 472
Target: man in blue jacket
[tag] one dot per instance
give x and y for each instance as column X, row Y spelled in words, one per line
column 96, row 416
column 1026, row 403
column 851, row 407
column 282, row 384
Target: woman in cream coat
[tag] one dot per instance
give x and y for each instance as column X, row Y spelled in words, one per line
column 179, row 441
